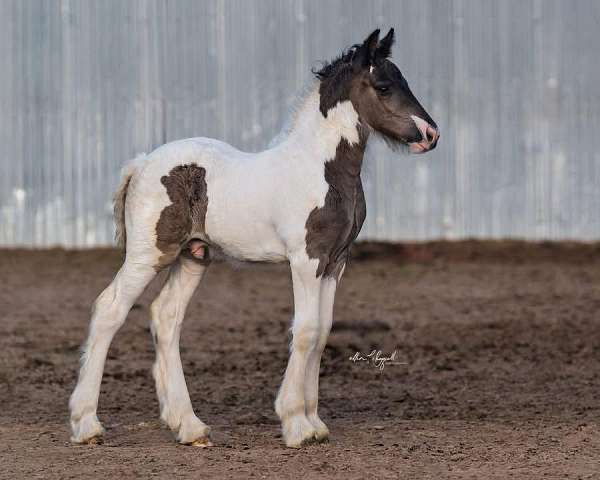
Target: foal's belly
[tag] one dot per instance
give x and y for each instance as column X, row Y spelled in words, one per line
column 247, row 241
column 243, row 230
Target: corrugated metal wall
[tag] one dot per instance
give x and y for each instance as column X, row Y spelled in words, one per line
column 514, row 86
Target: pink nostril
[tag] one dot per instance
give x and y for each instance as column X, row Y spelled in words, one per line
column 431, row 134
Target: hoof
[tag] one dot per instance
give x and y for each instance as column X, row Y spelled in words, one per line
column 87, row 430
column 97, row 440
column 298, row 432
column 202, row 443
column 321, row 430
column 193, row 431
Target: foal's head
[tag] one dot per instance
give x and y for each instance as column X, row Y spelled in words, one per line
column 379, row 93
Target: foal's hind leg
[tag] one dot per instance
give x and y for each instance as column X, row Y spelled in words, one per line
column 168, row 311
column 108, row 314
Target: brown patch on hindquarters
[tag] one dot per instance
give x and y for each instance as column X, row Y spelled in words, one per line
column 331, row 229
column 186, row 188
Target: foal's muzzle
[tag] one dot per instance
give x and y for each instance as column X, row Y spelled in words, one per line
column 429, row 136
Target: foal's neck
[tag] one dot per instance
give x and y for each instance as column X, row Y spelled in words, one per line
column 340, row 136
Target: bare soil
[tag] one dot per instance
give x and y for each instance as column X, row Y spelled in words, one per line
column 498, row 373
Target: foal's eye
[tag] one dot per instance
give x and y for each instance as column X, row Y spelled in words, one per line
column 382, row 88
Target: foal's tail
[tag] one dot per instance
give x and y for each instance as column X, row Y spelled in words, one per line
column 127, row 172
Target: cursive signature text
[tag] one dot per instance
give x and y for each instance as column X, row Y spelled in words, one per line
column 376, row 358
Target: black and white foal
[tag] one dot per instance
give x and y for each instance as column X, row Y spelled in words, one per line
column 300, row 201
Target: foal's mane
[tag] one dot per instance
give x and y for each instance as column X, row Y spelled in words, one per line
column 332, row 68
column 334, row 77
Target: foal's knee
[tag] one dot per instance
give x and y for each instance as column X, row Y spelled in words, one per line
column 305, row 338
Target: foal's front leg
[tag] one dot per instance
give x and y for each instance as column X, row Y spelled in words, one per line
column 311, row 389
column 290, row 404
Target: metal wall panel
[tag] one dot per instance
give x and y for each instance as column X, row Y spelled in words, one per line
column 513, row 84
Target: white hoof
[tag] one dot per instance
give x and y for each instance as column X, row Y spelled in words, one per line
column 193, row 431
column 322, row 432
column 86, row 429
column 298, row 431
column 202, row 443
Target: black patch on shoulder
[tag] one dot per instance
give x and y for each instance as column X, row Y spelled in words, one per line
column 331, row 229
column 186, row 188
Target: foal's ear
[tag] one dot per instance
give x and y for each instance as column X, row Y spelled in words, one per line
column 384, row 49
column 366, row 52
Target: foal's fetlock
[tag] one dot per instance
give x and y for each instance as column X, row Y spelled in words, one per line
column 192, row 431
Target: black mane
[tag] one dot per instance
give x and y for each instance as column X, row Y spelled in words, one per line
column 334, row 77
column 330, row 69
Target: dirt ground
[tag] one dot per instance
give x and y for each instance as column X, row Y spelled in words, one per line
column 498, row 373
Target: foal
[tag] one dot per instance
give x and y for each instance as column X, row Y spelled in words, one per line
column 301, row 201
